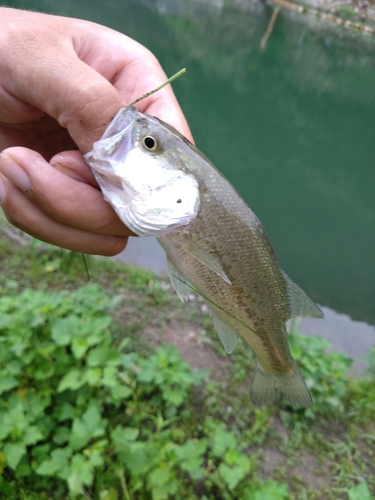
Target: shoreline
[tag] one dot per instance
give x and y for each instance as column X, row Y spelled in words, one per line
column 354, row 11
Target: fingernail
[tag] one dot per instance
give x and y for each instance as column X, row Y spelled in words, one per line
column 14, row 173
column 2, row 191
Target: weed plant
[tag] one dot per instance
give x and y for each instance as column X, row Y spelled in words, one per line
column 90, row 407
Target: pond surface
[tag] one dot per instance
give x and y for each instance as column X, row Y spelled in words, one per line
column 292, row 127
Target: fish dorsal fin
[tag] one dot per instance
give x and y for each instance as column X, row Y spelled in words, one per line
column 207, row 259
column 299, row 303
column 227, row 335
column 178, row 280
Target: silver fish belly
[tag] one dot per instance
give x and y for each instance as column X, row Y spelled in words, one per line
column 161, row 185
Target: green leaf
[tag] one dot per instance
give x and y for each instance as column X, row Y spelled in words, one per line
column 103, row 355
column 175, row 395
column 160, row 476
column 110, row 494
column 40, row 452
column 360, row 492
column 66, row 412
column 79, row 347
column 232, row 475
column 44, row 369
column 162, row 483
column 38, row 402
column 32, row 435
column 92, row 376
column 7, row 382
column 6, row 425
column 13, row 367
column 5, row 320
column 235, row 457
column 62, row 435
column 81, row 471
column 135, row 456
column 23, row 470
column 222, row 440
column 90, row 426
column 110, row 378
column 13, row 454
column 95, row 329
column 75, row 484
column 15, row 418
column 48, row 468
column 58, row 463
column 121, row 436
column 19, row 348
column 64, row 329
column 96, row 458
column 190, row 455
column 120, row 392
column 72, row 380
column 270, row 491
column 83, row 468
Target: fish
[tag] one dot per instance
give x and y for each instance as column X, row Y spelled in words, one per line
column 161, row 185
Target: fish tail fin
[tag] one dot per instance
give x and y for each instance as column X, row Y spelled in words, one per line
column 268, row 388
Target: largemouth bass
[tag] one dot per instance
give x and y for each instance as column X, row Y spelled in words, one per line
column 161, row 185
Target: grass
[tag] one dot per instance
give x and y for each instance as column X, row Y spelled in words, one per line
column 94, row 404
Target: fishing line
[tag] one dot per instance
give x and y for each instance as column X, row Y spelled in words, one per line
column 170, row 80
column 86, row 267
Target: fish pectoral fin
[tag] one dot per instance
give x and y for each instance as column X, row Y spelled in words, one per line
column 227, row 335
column 178, row 281
column 299, row 303
column 207, row 259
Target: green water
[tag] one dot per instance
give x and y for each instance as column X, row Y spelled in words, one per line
column 292, row 127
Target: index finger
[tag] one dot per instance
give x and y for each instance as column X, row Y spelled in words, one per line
column 81, row 74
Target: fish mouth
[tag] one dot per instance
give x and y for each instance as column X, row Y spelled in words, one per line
column 149, row 198
column 116, row 141
column 124, row 118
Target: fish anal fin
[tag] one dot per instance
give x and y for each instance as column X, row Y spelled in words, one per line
column 227, row 335
column 178, row 281
column 207, row 259
column 300, row 305
column 268, row 388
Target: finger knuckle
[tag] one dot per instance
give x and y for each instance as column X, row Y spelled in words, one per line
column 113, row 245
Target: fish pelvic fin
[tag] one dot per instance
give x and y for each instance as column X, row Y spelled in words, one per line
column 227, row 335
column 178, row 281
column 300, row 305
column 267, row 388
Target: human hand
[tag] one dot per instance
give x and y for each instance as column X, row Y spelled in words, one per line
column 62, row 81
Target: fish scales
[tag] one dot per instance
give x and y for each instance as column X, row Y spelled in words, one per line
column 254, row 277
column 161, row 185
column 254, row 272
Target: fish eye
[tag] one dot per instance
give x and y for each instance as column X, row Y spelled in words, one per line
column 150, row 143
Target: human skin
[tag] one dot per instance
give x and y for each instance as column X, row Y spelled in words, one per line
column 62, row 81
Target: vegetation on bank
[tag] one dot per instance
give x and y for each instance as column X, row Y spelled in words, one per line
column 93, row 403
